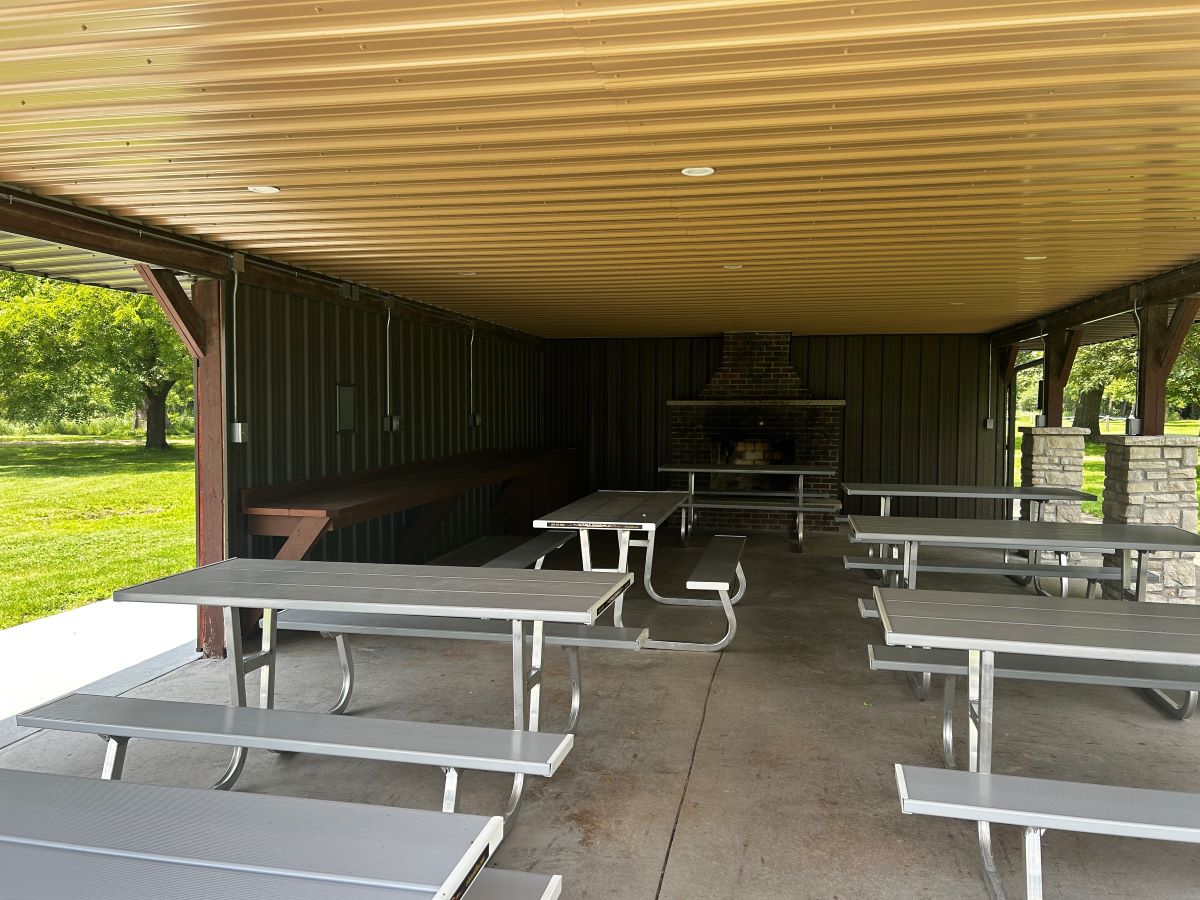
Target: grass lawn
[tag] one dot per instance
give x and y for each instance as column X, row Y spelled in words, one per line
column 82, row 517
column 1093, row 459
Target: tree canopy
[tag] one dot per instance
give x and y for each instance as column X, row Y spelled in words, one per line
column 1112, row 367
column 71, row 352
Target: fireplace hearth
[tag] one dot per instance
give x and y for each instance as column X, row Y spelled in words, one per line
column 754, row 411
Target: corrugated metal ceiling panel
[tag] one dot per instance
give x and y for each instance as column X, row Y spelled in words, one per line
column 881, row 166
column 34, row 257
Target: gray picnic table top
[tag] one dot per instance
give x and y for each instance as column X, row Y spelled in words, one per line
column 618, row 510
column 314, row 848
column 1046, row 626
column 763, row 469
column 965, row 491
column 444, row 591
column 1016, row 535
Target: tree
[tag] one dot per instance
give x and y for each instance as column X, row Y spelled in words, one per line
column 1110, row 368
column 70, row 351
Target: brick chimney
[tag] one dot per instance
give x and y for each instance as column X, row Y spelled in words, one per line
column 755, row 365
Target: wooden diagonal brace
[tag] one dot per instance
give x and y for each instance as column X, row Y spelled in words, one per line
column 1185, row 315
column 179, row 309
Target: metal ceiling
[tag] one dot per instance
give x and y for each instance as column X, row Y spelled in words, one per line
column 34, row 257
column 880, row 166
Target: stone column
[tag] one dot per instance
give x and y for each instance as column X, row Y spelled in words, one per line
column 1054, row 457
column 1151, row 480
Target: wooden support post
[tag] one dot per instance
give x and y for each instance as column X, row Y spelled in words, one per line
column 211, row 493
column 1061, row 347
column 173, row 300
column 1162, row 339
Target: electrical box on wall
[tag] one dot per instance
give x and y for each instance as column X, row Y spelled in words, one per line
column 989, row 424
column 391, row 423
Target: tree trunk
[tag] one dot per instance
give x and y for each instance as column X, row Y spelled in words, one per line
column 1087, row 409
column 156, row 417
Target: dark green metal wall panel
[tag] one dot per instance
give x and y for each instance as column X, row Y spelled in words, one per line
column 292, row 352
column 915, row 406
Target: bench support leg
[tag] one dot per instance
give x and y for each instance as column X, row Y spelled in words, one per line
column 948, row 688
column 648, row 584
column 450, row 791
column 921, row 683
column 1033, row 863
column 114, row 757
column 1176, row 710
column 346, row 660
column 576, row 688
column 724, row 642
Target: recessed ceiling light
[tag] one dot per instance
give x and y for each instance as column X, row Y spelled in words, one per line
column 697, row 171
column 263, row 189
column 466, row 274
column 737, row 266
column 1032, row 258
column 958, row 302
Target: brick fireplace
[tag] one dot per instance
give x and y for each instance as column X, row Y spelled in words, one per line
column 756, row 410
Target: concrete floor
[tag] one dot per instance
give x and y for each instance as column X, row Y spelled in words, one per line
column 764, row 771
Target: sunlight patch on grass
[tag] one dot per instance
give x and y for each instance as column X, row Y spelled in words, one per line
column 80, row 518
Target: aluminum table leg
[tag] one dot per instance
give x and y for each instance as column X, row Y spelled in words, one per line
column 114, row 757
column 981, row 668
column 241, row 665
column 920, row 685
column 1033, row 863
column 525, row 715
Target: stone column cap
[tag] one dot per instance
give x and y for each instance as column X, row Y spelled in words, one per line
column 1047, row 429
column 1150, row 440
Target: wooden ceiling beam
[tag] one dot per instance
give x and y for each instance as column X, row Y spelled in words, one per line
column 1166, row 287
column 60, row 223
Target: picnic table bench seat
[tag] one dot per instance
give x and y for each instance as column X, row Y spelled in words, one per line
column 1093, row 575
column 506, row 884
column 450, row 747
column 1039, row 804
column 532, row 552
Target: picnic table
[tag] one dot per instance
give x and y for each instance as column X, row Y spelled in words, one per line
column 63, row 837
column 526, row 598
column 1064, row 627
column 792, row 501
column 643, row 513
column 1037, row 496
column 1004, row 534
column 303, row 511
